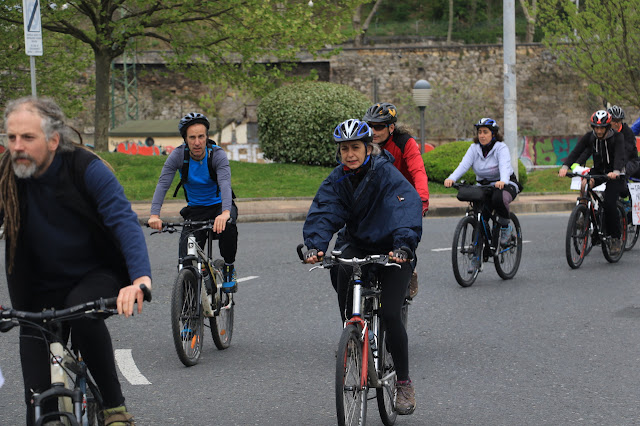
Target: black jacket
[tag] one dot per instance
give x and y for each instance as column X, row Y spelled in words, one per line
column 608, row 153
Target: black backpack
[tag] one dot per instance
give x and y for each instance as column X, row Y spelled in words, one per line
column 184, row 174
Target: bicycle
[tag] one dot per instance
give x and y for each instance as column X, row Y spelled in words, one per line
column 79, row 399
column 363, row 360
column 197, row 293
column 475, row 242
column 632, row 231
column 586, row 225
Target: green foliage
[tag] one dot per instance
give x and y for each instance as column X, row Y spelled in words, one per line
column 59, row 71
column 296, row 122
column 443, row 160
column 600, row 42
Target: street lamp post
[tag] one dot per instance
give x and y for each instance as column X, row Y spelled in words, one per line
column 421, row 96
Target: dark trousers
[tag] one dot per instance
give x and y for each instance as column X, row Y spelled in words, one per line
column 228, row 239
column 90, row 336
column 613, row 190
column 395, row 282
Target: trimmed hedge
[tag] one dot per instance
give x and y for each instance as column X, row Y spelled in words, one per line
column 296, row 122
column 443, row 160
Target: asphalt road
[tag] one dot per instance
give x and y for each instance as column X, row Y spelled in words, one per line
column 553, row 346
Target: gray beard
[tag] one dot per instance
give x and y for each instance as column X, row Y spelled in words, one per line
column 24, row 171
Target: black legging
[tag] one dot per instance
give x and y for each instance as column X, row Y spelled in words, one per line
column 395, row 282
column 500, row 201
column 228, row 239
column 612, row 192
column 90, row 336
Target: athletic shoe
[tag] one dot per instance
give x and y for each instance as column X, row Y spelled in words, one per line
column 230, row 284
column 615, row 247
column 406, row 398
column 117, row 416
column 413, row 285
column 505, row 235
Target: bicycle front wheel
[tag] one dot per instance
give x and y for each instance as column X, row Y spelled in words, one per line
column 507, row 260
column 386, row 395
column 222, row 323
column 577, row 240
column 187, row 320
column 465, row 248
column 351, row 395
column 606, row 244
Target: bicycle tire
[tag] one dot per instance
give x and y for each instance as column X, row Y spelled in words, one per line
column 507, row 260
column 463, row 250
column 351, row 397
column 606, row 245
column 187, row 319
column 577, row 236
column 386, row 395
column 633, row 231
column 94, row 406
column 222, row 324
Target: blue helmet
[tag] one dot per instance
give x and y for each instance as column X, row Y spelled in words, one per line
column 489, row 123
column 190, row 119
column 353, row 130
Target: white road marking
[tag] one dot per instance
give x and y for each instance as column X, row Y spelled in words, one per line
column 449, row 248
column 247, row 278
column 128, row 368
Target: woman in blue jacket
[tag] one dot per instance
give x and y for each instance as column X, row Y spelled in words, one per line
column 382, row 213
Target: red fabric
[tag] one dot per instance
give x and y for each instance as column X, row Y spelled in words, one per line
column 411, row 165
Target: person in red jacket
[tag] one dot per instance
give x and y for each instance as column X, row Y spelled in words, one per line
column 382, row 118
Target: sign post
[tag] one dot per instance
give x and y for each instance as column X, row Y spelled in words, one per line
column 32, row 36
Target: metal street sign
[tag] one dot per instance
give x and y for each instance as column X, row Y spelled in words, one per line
column 32, row 27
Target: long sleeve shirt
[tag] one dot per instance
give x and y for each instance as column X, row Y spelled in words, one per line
column 496, row 166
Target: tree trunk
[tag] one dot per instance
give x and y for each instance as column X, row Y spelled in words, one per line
column 450, row 29
column 103, row 75
column 357, row 25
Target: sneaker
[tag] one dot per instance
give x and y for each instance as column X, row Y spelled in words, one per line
column 230, row 284
column 413, row 285
column 117, row 416
column 406, row 397
column 505, row 235
column 474, row 265
column 615, row 247
column 580, row 223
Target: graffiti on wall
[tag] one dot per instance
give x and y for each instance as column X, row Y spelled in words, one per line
column 148, row 147
column 549, row 150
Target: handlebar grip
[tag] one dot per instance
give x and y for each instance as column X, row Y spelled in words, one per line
column 299, row 249
column 410, row 253
column 146, row 291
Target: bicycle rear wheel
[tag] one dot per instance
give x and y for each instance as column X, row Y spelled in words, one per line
column 351, row 395
column 633, row 231
column 187, row 319
column 386, row 395
column 577, row 240
column 507, row 260
column 465, row 248
column 606, row 244
column 222, row 324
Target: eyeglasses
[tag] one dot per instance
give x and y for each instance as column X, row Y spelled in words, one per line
column 377, row 127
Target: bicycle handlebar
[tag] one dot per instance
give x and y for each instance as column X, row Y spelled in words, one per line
column 329, row 261
column 170, row 227
column 587, row 175
column 103, row 307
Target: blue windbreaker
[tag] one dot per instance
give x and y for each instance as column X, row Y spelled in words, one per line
column 384, row 212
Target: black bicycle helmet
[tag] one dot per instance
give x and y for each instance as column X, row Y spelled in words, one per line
column 601, row 118
column 190, row 119
column 381, row 113
column 489, row 123
column 616, row 112
column 353, row 130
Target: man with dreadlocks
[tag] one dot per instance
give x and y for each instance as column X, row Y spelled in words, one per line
column 64, row 210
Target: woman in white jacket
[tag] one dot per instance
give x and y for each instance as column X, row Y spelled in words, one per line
column 491, row 162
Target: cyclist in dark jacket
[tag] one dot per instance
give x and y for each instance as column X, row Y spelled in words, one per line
column 381, row 213
column 608, row 150
column 632, row 168
column 72, row 237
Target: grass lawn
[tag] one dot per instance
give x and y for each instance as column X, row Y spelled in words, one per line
column 139, row 175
